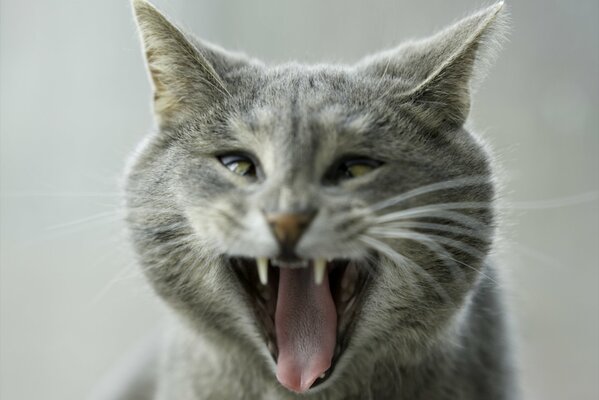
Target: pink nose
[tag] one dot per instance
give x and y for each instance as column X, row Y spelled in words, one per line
column 288, row 228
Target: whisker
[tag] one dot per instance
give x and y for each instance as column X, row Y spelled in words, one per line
column 103, row 215
column 433, row 213
column 406, row 261
column 427, row 238
column 431, row 245
column 436, row 227
column 129, row 271
column 458, row 245
column 398, row 234
column 466, row 205
column 477, row 270
column 450, row 184
column 62, row 194
column 554, row 203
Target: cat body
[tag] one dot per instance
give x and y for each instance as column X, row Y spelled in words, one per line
column 320, row 232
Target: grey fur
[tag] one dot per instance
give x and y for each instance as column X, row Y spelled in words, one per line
column 431, row 323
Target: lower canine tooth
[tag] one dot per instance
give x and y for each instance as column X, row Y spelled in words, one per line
column 262, row 264
column 320, row 266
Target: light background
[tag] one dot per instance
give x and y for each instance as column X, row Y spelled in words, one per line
column 74, row 101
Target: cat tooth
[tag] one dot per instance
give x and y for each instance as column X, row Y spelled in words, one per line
column 262, row 263
column 320, row 266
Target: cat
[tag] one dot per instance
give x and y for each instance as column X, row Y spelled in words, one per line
column 321, row 231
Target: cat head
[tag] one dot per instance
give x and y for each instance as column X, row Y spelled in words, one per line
column 316, row 217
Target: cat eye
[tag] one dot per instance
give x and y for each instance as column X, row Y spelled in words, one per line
column 239, row 164
column 352, row 168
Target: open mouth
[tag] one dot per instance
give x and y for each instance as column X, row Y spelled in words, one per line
column 306, row 310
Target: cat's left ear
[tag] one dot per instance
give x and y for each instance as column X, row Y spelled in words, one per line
column 434, row 76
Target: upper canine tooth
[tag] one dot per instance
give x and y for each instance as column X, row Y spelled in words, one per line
column 320, row 266
column 262, row 263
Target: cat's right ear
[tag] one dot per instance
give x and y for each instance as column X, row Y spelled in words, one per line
column 434, row 77
column 185, row 83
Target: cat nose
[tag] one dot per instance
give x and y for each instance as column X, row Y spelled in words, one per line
column 288, row 228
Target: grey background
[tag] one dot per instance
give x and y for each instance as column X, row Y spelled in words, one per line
column 74, row 101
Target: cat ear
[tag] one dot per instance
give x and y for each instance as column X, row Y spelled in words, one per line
column 185, row 82
column 435, row 76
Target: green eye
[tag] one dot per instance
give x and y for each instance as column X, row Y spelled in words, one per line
column 357, row 170
column 358, row 167
column 238, row 164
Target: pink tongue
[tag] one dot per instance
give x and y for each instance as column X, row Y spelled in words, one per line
column 306, row 327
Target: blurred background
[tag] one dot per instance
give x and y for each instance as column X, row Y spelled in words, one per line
column 75, row 100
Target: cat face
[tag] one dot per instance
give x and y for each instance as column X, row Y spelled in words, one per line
column 315, row 148
column 313, row 215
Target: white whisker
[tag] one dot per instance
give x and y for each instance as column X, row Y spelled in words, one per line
column 436, row 227
column 474, row 205
column 554, row 203
column 433, row 212
column 399, row 234
column 61, row 194
column 431, row 245
column 106, row 215
column 450, row 184
column 402, row 260
column 128, row 272
column 433, row 241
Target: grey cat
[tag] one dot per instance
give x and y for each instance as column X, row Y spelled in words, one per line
column 320, row 232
